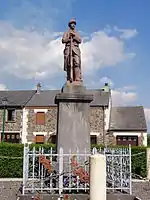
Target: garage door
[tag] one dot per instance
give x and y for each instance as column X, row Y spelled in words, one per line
column 126, row 140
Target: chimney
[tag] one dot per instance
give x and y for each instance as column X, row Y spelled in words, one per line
column 106, row 87
column 38, row 86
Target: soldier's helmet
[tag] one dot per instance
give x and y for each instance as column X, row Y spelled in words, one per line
column 72, row 21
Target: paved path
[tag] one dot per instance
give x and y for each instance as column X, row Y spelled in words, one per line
column 9, row 188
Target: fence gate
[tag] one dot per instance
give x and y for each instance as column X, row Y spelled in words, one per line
column 46, row 171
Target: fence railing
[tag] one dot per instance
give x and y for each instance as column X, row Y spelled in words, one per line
column 50, row 172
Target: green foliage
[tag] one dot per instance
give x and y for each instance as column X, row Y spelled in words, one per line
column 138, row 159
column 9, row 166
column 148, row 139
column 11, row 159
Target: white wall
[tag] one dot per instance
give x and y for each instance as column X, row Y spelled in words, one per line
column 107, row 113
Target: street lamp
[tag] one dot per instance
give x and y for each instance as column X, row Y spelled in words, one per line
column 4, row 103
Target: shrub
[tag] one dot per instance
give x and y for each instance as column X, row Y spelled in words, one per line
column 138, row 160
column 11, row 159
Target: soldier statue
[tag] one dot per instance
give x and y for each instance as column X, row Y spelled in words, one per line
column 72, row 54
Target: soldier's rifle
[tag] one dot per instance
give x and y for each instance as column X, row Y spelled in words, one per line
column 71, row 59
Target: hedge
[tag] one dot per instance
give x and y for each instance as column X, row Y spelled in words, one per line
column 138, row 159
column 11, row 159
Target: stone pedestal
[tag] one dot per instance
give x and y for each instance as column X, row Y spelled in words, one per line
column 98, row 177
column 73, row 128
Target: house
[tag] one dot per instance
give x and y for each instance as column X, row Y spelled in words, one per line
column 128, row 126
column 14, row 104
column 31, row 117
column 39, row 124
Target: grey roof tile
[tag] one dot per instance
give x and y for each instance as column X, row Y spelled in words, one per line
column 16, row 97
column 47, row 98
column 128, row 118
column 44, row 98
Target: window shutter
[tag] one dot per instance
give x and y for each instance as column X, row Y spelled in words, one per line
column 39, row 139
column 40, row 118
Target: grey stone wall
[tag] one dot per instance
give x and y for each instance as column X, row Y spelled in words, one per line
column 96, row 117
column 110, row 139
column 12, row 126
column 50, row 123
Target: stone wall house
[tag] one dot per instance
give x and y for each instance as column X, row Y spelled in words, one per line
column 40, row 117
column 128, row 126
column 31, row 116
column 13, row 107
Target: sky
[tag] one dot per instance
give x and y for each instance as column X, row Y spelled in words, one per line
column 115, row 46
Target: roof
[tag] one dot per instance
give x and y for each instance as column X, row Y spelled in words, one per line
column 100, row 97
column 44, row 98
column 128, row 118
column 47, row 98
column 16, row 97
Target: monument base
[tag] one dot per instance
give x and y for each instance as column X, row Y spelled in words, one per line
column 73, row 128
column 81, row 197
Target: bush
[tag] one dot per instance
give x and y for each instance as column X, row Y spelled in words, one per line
column 138, row 160
column 11, row 159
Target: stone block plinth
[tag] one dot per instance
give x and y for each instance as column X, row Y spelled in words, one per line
column 73, row 128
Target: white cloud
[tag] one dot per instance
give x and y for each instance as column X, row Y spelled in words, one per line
column 147, row 115
column 102, row 51
column 28, row 55
column 97, row 84
column 3, row 87
column 105, row 79
column 124, row 96
column 126, row 33
column 121, row 98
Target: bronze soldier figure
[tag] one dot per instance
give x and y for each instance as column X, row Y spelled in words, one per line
column 72, row 54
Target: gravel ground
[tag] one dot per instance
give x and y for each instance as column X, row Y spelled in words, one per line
column 8, row 189
column 141, row 190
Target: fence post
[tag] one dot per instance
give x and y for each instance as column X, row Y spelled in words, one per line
column 148, row 163
column 25, row 166
column 60, row 170
column 98, row 177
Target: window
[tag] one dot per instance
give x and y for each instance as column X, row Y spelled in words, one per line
column 53, row 139
column 126, row 140
column 11, row 137
column 39, row 139
column 40, row 118
column 93, row 139
column 11, row 115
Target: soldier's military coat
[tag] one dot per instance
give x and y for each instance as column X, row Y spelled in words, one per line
column 75, row 49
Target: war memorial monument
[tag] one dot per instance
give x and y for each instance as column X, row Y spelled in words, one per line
column 60, row 175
